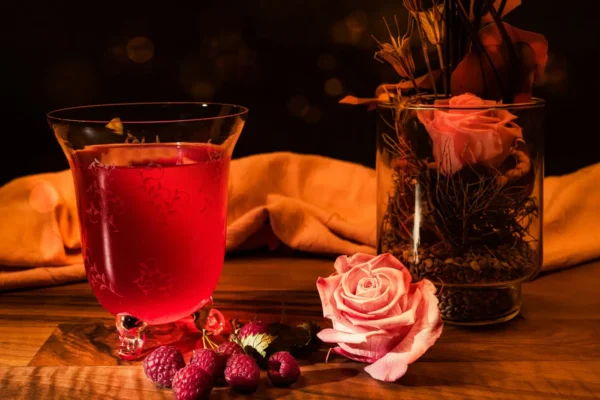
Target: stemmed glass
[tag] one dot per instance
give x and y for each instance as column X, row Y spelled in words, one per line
column 151, row 185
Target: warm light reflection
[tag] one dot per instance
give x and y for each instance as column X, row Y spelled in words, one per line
column 43, row 198
column 140, row 49
column 50, row 241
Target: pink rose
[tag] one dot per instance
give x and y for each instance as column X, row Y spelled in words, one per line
column 378, row 316
column 461, row 133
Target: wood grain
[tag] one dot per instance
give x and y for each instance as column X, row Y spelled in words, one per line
column 424, row 380
column 58, row 343
column 20, row 341
column 94, row 344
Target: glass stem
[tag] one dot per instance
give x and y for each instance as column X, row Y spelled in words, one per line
column 132, row 336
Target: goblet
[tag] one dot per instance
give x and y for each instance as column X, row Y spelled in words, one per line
column 151, row 186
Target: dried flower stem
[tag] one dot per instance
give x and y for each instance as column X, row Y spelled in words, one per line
column 403, row 61
column 448, row 45
column 501, row 8
column 442, row 67
column 423, row 40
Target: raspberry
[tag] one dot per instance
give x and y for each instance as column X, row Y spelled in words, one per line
column 212, row 363
column 283, row 369
column 228, row 349
column 242, row 373
column 192, row 383
column 251, row 329
column 162, row 365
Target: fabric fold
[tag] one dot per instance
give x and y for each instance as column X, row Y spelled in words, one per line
column 307, row 202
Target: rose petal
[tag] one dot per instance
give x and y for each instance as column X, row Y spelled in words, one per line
column 398, row 279
column 505, row 117
column 393, row 280
column 353, row 100
column 326, row 287
column 344, row 264
column 467, row 100
column 490, row 36
column 444, row 151
column 467, row 136
column 508, row 135
column 474, row 74
column 355, row 306
column 366, row 286
column 419, row 339
column 350, row 279
column 337, row 336
column 480, row 148
column 355, row 357
column 345, row 310
column 366, row 305
column 389, row 261
column 425, row 116
column 394, row 321
column 374, row 348
column 377, row 344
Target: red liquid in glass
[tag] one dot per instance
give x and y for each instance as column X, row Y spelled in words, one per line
column 153, row 220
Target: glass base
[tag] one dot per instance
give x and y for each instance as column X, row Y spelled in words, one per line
column 469, row 306
column 132, row 331
column 132, row 336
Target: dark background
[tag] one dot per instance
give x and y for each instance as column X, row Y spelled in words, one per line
column 289, row 61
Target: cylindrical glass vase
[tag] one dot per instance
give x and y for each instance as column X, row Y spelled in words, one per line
column 459, row 194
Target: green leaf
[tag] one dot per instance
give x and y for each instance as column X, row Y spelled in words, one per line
column 293, row 339
column 258, row 343
column 311, row 327
column 297, row 340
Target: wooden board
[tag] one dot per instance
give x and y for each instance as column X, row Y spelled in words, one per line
column 424, row 380
column 58, row 343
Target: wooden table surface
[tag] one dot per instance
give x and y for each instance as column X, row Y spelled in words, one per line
column 58, row 343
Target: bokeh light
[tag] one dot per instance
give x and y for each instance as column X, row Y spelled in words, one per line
column 351, row 29
column 326, row 62
column 298, row 106
column 334, row 87
column 313, row 115
column 339, row 33
column 202, row 90
column 140, row 49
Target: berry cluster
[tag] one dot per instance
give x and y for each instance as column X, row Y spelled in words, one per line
column 228, row 365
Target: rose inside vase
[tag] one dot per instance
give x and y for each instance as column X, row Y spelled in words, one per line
column 459, row 199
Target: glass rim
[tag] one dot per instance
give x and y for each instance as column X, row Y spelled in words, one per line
column 52, row 115
column 411, row 104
